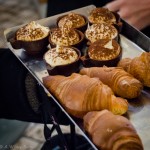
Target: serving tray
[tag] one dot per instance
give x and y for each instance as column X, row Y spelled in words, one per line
column 133, row 43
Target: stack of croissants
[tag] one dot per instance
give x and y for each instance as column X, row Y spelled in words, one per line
column 98, row 96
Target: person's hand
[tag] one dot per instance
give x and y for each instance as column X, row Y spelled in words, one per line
column 136, row 13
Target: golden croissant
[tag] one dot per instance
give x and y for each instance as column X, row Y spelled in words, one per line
column 139, row 67
column 111, row 132
column 122, row 83
column 80, row 94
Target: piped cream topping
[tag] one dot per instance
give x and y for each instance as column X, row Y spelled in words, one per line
column 104, row 50
column 109, row 45
column 64, row 36
column 60, row 56
column 102, row 15
column 101, row 31
column 76, row 19
column 32, row 32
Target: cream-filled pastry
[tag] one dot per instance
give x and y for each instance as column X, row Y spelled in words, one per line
column 76, row 20
column 104, row 50
column 64, row 36
column 101, row 31
column 32, row 32
column 101, row 15
column 60, row 56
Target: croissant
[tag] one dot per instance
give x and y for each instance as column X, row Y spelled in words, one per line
column 121, row 82
column 111, row 132
column 80, row 94
column 139, row 67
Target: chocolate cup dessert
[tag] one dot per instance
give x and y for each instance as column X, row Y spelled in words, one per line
column 33, row 37
column 101, row 15
column 98, row 55
column 66, row 69
column 104, row 15
column 78, row 44
column 75, row 24
column 31, row 47
column 101, row 31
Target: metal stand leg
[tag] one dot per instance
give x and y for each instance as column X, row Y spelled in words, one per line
column 73, row 139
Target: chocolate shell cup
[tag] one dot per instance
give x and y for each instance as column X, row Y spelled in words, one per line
column 96, row 34
column 31, row 47
column 67, row 69
column 118, row 24
column 82, row 28
column 109, row 15
column 88, row 62
column 79, row 45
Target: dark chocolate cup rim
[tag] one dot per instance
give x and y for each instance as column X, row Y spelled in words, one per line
column 20, row 42
column 74, row 48
column 34, row 40
column 86, row 58
column 81, row 35
column 85, row 18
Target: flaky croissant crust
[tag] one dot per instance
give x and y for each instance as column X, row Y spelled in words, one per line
column 139, row 67
column 122, row 83
column 80, row 94
column 111, row 132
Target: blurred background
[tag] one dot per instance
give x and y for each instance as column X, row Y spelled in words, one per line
column 17, row 135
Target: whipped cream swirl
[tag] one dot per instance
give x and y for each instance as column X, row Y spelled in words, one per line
column 60, row 56
column 101, row 31
column 32, row 32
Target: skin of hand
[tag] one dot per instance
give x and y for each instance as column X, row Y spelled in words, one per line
column 135, row 12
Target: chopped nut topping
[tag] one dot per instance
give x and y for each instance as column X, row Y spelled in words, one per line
column 60, row 49
column 66, row 56
column 66, row 28
column 102, row 15
column 98, row 51
column 101, row 31
column 64, row 39
column 32, row 32
column 76, row 19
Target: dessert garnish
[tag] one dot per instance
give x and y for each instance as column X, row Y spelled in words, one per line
column 65, row 36
column 101, row 31
column 76, row 19
column 102, row 15
column 104, row 50
column 32, row 32
column 60, row 56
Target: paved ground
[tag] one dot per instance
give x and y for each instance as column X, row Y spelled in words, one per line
column 33, row 138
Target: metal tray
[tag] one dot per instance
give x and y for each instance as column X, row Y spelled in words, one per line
column 133, row 44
